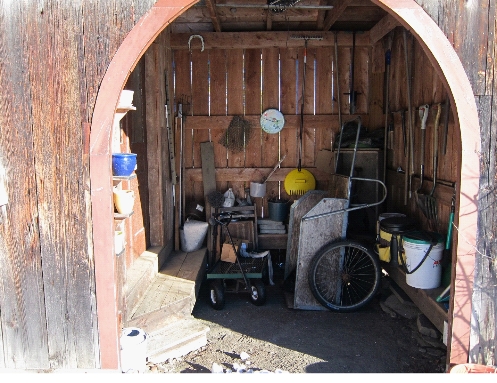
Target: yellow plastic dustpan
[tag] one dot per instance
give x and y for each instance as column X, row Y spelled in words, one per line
column 299, row 182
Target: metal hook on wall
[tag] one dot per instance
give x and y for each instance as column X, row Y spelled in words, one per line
column 192, row 37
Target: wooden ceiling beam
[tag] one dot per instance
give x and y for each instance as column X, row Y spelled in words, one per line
column 335, row 13
column 321, row 15
column 382, row 28
column 211, row 6
column 260, row 40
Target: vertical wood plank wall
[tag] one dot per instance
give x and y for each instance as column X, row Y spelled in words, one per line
column 245, row 82
column 54, row 57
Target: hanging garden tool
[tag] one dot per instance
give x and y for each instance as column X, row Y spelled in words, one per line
column 352, row 93
column 387, row 141
column 410, row 115
column 299, row 181
column 446, row 258
column 446, row 124
column 420, row 198
column 259, row 189
column 431, row 201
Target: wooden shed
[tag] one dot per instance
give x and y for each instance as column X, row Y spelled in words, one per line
column 67, row 291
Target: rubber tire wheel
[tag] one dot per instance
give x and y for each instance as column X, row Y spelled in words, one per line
column 216, row 294
column 261, row 292
column 354, row 284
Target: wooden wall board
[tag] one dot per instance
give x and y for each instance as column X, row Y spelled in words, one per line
column 182, row 80
column 361, row 79
column 200, row 99
column 218, row 85
column 169, row 177
column 235, row 96
column 249, row 174
column 344, row 62
column 253, row 105
column 308, row 66
column 179, row 184
column 271, row 98
column 155, row 124
column 199, row 105
column 217, row 73
column 324, row 80
column 264, row 39
column 321, row 121
column 376, row 101
column 208, row 170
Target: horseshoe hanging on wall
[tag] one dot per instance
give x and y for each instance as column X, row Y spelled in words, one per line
column 192, row 37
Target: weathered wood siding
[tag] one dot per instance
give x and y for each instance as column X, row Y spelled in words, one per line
column 471, row 27
column 54, row 56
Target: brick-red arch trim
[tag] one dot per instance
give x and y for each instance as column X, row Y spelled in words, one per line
column 133, row 47
column 443, row 58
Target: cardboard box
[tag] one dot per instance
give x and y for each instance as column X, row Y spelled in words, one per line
column 227, row 253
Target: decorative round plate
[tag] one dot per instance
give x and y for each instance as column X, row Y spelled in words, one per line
column 272, row 121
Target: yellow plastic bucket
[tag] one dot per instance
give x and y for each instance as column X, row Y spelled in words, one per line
column 383, row 247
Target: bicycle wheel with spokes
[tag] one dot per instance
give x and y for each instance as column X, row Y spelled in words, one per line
column 344, row 276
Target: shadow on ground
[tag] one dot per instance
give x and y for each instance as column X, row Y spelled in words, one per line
column 278, row 337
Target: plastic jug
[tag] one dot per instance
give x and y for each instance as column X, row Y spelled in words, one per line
column 229, row 198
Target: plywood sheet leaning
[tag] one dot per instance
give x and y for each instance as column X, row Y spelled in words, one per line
column 209, row 182
column 298, row 209
column 314, row 234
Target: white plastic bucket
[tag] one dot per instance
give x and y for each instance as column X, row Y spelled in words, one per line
column 192, row 235
column 133, row 350
column 429, row 274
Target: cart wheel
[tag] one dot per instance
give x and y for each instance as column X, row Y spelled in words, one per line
column 258, row 293
column 344, row 276
column 216, row 294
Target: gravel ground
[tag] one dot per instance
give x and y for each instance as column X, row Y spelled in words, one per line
column 274, row 338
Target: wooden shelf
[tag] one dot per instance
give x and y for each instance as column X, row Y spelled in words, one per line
column 118, row 216
column 124, row 178
column 124, row 109
column 272, row 241
column 425, row 300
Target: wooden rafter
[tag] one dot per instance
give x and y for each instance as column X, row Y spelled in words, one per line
column 211, row 6
column 382, row 28
column 321, row 16
column 335, row 13
column 260, row 40
column 269, row 20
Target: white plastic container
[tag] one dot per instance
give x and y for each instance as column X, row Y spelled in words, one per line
column 124, row 200
column 229, row 198
column 192, row 235
column 429, row 274
column 133, row 350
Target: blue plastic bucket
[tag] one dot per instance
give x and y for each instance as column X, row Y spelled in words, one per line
column 123, row 164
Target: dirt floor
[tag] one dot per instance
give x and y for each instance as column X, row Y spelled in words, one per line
column 274, row 338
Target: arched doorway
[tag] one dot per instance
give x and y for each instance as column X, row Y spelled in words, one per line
column 443, row 59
